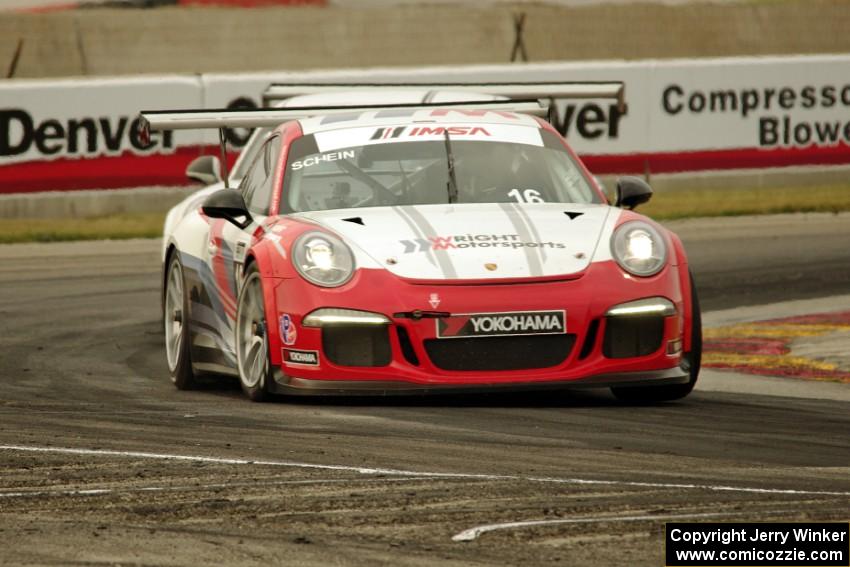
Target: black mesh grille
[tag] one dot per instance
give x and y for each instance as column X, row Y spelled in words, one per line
column 500, row 353
column 357, row 345
column 626, row 337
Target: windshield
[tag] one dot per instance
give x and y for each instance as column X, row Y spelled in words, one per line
column 400, row 166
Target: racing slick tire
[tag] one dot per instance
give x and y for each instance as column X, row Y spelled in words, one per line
column 691, row 360
column 176, row 322
column 252, row 344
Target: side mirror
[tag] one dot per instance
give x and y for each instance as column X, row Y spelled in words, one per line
column 229, row 205
column 205, row 169
column 632, row 191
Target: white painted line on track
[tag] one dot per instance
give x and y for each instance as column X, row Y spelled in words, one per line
column 473, row 533
column 415, row 474
column 231, row 461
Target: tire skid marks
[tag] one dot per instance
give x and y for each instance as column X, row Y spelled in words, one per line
column 32, row 493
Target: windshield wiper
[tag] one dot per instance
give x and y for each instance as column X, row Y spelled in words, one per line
column 451, row 184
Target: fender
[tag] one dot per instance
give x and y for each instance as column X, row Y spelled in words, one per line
column 678, row 261
column 271, row 252
column 681, row 266
column 168, row 250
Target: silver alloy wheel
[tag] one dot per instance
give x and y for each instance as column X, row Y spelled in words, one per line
column 251, row 336
column 173, row 315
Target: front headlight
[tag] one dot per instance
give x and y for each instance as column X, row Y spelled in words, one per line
column 639, row 248
column 323, row 259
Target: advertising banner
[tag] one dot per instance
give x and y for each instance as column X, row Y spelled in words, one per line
column 82, row 134
column 683, row 116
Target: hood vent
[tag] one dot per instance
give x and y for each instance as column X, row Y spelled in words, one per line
column 572, row 215
column 355, row 220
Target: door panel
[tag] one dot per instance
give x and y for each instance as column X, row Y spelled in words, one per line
column 227, row 247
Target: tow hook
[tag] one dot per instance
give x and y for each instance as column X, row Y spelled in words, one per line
column 418, row 314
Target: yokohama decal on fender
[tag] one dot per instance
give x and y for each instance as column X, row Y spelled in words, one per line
column 301, row 357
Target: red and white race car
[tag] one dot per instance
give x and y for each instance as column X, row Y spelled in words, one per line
column 415, row 246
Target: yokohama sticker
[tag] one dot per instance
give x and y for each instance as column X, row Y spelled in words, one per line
column 502, row 324
column 303, row 357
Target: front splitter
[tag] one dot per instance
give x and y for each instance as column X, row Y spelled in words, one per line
column 289, row 385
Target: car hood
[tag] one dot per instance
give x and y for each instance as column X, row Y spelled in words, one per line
column 474, row 241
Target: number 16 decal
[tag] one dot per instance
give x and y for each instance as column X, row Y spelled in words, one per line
column 526, row 196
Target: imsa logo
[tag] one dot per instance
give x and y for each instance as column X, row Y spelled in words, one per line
column 503, row 324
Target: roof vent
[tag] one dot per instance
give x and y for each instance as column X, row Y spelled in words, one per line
column 572, row 215
column 359, row 220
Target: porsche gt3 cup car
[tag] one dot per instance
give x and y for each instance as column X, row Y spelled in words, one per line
column 422, row 247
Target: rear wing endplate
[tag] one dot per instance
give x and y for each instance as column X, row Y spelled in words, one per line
column 545, row 90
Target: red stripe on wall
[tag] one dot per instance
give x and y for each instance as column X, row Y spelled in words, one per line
column 130, row 170
column 709, row 160
column 103, row 172
column 41, row 7
column 252, row 3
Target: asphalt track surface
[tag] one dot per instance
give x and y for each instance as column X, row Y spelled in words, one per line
column 100, row 454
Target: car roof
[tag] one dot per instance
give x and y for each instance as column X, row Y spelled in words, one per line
column 399, row 116
column 430, row 116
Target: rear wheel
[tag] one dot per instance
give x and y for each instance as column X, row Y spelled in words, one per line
column 691, row 360
column 252, row 343
column 176, row 321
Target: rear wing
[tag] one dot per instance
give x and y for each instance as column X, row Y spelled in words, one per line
column 517, row 91
column 158, row 120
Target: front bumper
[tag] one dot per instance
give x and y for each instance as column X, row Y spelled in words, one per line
column 585, row 300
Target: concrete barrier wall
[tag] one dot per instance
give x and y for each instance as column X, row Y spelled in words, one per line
column 195, row 40
column 692, row 29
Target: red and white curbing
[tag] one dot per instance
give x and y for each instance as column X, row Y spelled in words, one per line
column 807, row 340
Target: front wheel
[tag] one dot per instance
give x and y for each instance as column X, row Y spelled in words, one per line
column 692, row 361
column 252, row 342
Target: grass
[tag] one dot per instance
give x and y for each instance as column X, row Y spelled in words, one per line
column 665, row 205
column 673, row 204
column 116, row 227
